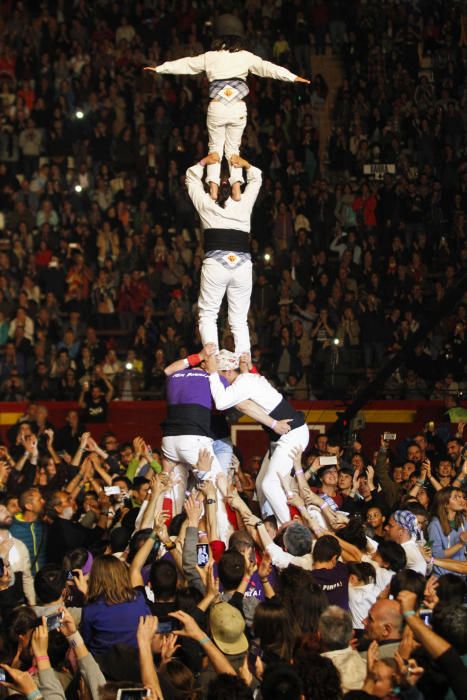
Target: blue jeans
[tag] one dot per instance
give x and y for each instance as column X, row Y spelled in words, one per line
column 223, row 449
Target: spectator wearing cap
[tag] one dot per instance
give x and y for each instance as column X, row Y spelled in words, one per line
column 402, row 528
column 228, row 633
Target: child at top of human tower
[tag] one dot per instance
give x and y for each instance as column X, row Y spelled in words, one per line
column 227, row 66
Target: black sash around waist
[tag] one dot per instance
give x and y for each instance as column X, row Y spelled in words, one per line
column 226, row 239
column 187, row 419
column 282, row 411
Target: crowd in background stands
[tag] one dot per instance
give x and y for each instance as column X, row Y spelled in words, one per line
column 100, row 252
column 103, row 586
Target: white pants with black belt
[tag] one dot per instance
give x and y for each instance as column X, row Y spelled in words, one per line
column 216, row 280
column 225, row 124
column 184, row 451
column 278, row 464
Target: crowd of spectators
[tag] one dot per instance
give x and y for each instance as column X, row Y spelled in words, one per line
column 105, row 587
column 100, row 248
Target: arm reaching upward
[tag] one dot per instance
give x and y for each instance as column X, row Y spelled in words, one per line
column 194, row 181
column 253, row 179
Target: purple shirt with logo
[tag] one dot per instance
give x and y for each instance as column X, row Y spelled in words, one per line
column 191, row 386
column 335, row 583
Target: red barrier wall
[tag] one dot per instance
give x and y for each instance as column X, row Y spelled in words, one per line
column 130, row 418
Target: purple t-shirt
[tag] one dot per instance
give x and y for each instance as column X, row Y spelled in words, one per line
column 189, row 386
column 335, row 584
column 190, row 404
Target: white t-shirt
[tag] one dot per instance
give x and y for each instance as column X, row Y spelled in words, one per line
column 361, row 598
column 415, row 560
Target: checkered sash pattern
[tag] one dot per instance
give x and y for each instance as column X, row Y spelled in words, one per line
column 228, row 91
column 228, row 259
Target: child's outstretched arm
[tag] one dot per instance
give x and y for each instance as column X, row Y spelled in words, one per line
column 191, row 65
column 266, row 69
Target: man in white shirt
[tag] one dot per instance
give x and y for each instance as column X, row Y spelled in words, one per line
column 278, row 465
column 402, row 528
column 227, row 266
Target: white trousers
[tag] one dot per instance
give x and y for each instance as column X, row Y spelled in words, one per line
column 225, row 124
column 279, row 463
column 184, row 450
column 216, row 280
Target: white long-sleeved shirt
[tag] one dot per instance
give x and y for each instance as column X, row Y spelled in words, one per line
column 221, row 65
column 246, row 386
column 282, row 559
column 235, row 215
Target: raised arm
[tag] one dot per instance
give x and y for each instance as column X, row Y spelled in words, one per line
column 390, row 488
column 139, row 560
column 159, row 484
column 147, row 628
column 50, row 445
column 77, row 457
column 194, row 182
column 86, row 662
column 190, row 361
column 253, row 179
column 49, row 685
column 193, row 631
column 109, row 388
column 435, row 645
